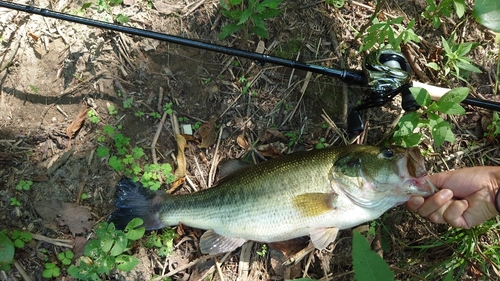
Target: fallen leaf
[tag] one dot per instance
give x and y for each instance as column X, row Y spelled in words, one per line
column 242, row 142
column 75, row 126
column 269, row 151
column 207, row 133
column 128, row 2
column 76, row 217
column 272, row 135
column 180, row 172
column 166, row 8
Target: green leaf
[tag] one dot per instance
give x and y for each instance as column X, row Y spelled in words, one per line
column 132, row 231
column 273, row 4
column 366, row 263
column 451, row 108
column 433, row 65
column 269, row 13
column 465, row 65
column 6, row 249
column 102, row 151
column 411, row 140
column 487, row 13
column 229, row 29
column 459, row 7
column 245, row 16
column 126, row 262
column 456, row 95
column 262, row 32
column 421, row 96
column 120, row 244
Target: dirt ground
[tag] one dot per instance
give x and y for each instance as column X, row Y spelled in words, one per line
column 51, row 70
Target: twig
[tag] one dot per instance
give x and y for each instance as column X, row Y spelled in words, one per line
column 194, row 8
column 302, row 91
column 11, row 57
column 62, row 111
column 157, row 135
column 244, row 264
column 80, row 192
column 54, row 241
column 160, row 98
column 218, row 263
column 211, row 174
column 184, row 267
column 204, row 183
column 20, row 268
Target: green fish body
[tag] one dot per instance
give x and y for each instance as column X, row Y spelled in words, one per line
column 313, row 193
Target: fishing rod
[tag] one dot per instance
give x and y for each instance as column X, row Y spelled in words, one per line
column 386, row 72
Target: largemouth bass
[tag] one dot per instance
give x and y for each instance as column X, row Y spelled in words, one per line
column 313, row 193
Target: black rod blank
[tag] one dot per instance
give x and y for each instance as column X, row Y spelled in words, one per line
column 348, row 76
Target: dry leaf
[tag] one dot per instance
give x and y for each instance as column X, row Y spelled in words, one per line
column 207, row 133
column 166, row 8
column 180, row 172
column 242, row 142
column 269, row 151
column 78, row 122
column 272, row 135
column 76, row 217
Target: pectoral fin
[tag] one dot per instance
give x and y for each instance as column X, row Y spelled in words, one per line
column 212, row 243
column 314, row 204
column 322, row 237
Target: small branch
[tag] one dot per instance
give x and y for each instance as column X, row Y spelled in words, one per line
column 157, row 135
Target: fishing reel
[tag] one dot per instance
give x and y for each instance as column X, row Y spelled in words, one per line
column 387, row 74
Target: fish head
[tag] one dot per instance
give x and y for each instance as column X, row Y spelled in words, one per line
column 380, row 177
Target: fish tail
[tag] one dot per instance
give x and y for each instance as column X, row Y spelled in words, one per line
column 135, row 201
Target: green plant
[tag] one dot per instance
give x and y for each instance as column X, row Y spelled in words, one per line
column 249, row 17
column 127, row 103
column 112, row 110
column 163, row 243
column 155, row 114
column 81, row 11
column 20, row 238
column 65, row 257
column 294, row 137
column 24, row 184
column 7, row 251
column 34, row 89
column 391, row 32
column 434, row 12
column 105, row 5
column 455, row 57
column 494, row 127
column 336, row 3
column 85, row 196
column 321, row 143
column 93, row 116
column 366, row 263
column 263, row 250
column 487, row 13
column 51, row 270
column 15, row 202
column 428, row 117
column 154, row 174
column 106, row 252
column 139, row 114
column 196, row 125
column 168, row 108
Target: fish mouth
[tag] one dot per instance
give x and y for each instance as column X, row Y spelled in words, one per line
column 411, row 169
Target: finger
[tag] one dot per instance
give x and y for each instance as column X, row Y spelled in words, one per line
column 414, row 203
column 438, row 215
column 453, row 215
column 436, row 201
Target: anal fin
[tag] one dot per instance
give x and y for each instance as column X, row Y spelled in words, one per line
column 322, row 237
column 212, row 243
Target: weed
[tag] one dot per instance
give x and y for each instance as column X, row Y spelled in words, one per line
column 390, row 32
column 20, row 238
column 127, row 103
column 112, row 110
column 249, row 17
column 336, row 3
column 321, row 143
column 139, row 114
column 51, row 270
column 164, row 242
column 406, row 132
column 15, row 202
column 155, row 115
column 434, row 12
column 196, row 125
column 455, row 57
column 494, row 127
column 33, row 89
column 65, row 257
column 106, row 252
column 84, row 196
column 24, row 185
column 263, row 251
column 105, row 5
column 294, row 138
column 93, row 116
column 168, row 108
column 154, row 174
column 182, row 118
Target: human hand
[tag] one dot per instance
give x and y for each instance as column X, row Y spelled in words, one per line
column 466, row 197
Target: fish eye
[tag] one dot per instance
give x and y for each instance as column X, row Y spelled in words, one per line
column 388, row 153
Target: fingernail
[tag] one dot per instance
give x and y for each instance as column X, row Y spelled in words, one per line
column 417, row 200
column 446, row 193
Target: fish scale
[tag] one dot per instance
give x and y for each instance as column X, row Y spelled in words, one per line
column 313, row 193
